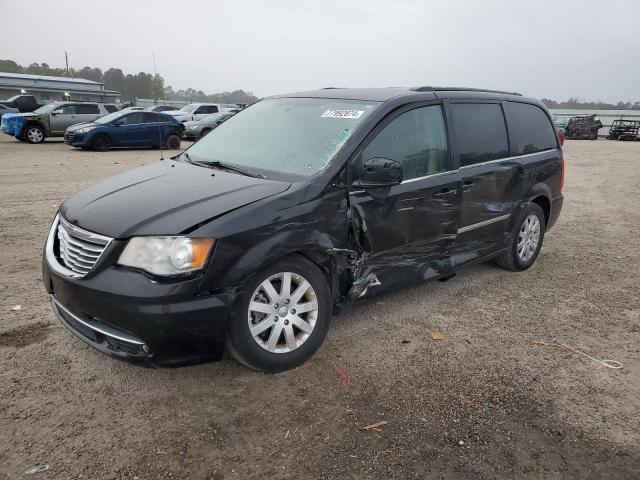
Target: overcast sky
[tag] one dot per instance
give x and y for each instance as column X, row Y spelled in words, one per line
column 542, row 48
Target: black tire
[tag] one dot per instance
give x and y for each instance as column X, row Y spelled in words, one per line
column 33, row 134
column 510, row 259
column 204, row 132
column 240, row 341
column 172, row 142
column 101, row 143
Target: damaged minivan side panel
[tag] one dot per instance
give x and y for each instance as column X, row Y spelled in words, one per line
column 402, row 233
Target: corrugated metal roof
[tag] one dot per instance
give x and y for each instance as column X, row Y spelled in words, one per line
column 24, row 76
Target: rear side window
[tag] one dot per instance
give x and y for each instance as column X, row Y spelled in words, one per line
column 150, row 117
column 531, row 128
column 208, row 109
column 417, row 139
column 87, row 110
column 133, row 119
column 481, row 133
column 67, row 110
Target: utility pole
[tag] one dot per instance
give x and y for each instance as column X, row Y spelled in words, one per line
column 66, row 61
column 154, row 64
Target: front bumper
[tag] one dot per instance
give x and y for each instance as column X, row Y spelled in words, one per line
column 74, row 139
column 191, row 134
column 128, row 315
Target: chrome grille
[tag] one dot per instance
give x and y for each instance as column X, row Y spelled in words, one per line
column 78, row 249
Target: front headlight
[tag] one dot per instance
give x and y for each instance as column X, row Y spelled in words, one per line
column 85, row 129
column 166, row 255
column 191, row 127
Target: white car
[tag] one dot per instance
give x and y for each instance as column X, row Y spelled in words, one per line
column 196, row 111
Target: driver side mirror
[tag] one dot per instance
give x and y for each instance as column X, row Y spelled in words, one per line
column 379, row 173
column 117, row 123
column 55, row 112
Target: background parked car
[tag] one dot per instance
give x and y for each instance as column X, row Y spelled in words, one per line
column 23, row 103
column 199, row 128
column 52, row 119
column 196, row 111
column 4, row 109
column 161, row 108
column 133, row 109
column 126, row 129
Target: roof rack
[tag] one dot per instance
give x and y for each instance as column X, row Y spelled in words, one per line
column 461, row 89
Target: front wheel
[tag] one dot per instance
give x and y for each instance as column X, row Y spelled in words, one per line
column 101, row 143
column 526, row 240
column 34, row 134
column 282, row 318
column 173, row 142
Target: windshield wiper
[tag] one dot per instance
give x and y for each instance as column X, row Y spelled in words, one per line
column 222, row 166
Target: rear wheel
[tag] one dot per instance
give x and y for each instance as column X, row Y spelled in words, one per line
column 173, row 142
column 34, row 134
column 282, row 318
column 101, row 143
column 526, row 240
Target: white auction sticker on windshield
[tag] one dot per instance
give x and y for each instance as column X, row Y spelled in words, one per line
column 342, row 113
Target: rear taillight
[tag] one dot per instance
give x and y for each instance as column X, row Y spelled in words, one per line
column 562, row 172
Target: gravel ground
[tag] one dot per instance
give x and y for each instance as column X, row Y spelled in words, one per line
column 485, row 402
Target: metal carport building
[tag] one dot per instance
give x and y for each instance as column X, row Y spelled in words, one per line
column 46, row 88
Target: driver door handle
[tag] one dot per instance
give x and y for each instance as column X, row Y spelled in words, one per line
column 445, row 192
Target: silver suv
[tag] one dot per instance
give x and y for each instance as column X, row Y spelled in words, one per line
column 52, row 120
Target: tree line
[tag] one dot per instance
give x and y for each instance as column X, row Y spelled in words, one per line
column 132, row 86
column 577, row 103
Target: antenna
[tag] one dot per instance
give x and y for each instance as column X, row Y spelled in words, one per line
column 161, row 145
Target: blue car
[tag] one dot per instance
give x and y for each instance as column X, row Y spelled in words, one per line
column 130, row 129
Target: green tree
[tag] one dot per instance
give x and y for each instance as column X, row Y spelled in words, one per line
column 114, row 79
column 157, row 87
column 9, row 66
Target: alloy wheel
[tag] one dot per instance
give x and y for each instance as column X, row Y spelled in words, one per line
column 528, row 238
column 34, row 135
column 282, row 312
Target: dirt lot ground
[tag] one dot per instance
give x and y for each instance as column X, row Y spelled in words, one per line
column 485, row 402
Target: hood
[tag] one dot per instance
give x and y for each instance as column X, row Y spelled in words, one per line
column 176, row 113
column 26, row 115
column 78, row 126
column 195, row 123
column 164, row 198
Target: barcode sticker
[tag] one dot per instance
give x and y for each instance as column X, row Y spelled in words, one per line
column 342, row 113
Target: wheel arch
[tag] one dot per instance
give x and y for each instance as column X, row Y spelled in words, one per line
column 34, row 123
column 545, row 204
column 100, row 134
column 540, row 194
column 253, row 261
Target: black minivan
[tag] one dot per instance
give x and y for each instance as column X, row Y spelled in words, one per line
column 302, row 203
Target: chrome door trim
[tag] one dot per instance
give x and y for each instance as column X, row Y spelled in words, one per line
column 483, row 224
column 517, row 157
column 439, row 174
